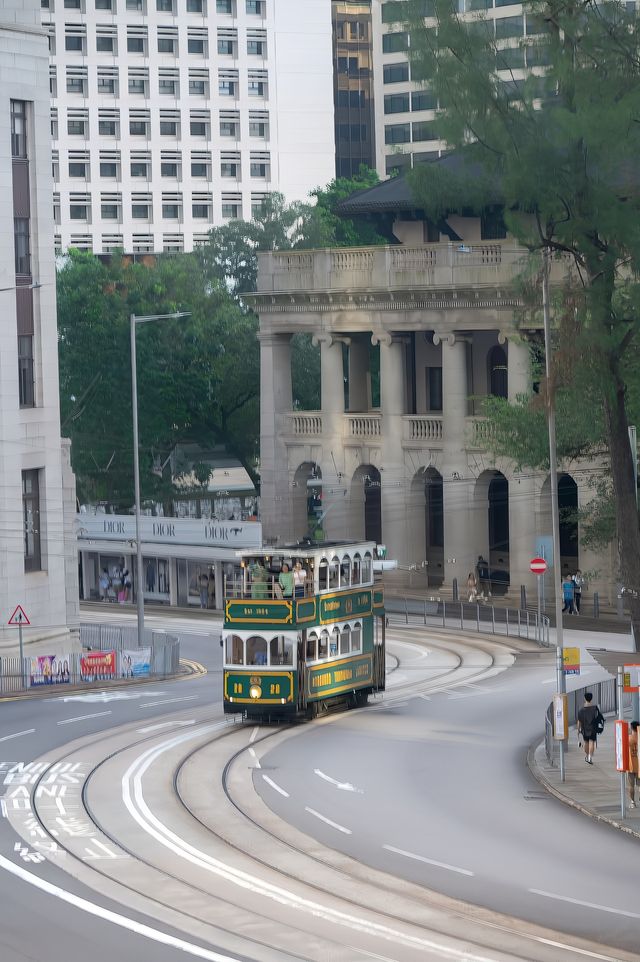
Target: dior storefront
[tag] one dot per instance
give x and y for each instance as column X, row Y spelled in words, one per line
column 184, row 559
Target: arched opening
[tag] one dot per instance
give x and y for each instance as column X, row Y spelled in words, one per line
column 568, row 508
column 492, row 498
column 497, row 372
column 366, row 504
column 307, row 502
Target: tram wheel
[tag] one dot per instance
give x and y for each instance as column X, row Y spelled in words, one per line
column 360, row 698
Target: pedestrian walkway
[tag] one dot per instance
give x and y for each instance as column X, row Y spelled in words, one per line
column 592, row 789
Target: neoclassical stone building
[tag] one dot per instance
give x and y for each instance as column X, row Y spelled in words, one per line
column 412, row 336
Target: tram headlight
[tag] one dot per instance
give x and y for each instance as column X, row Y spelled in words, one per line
column 255, row 691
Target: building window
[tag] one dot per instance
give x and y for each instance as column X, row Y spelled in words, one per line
column 257, row 128
column 31, row 520
column 257, row 88
column 104, row 4
column 224, row 6
column 195, row 6
column 498, row 378
column 396, row 103
column 228, row 169
column 198, row 128
column 107, row 128
column 25, row 371
column 73, row 44
column 77, row 169
column 195, row 45
column 423, row 100
column 139, row 169
column 397, row 134
column 257, row 169
column 424, row 130
column 135, row 44
column 166, row 44
column 434, row 388
column 255, row 7
column 395, row 42
column 170, row 211
column 231, row 211
column 108, row 169
column 255, row 48
column 138, row 128
column 200, row 210
column 109, row 211
column 164, row 6
column 228, row 128
column 18, row 128
column 106, row 85
column 227, row 88
column 140, row 211
column 72, row 5
column 104, row 44
column 167, row 87
column 76, row 128
column 136, row 5
column 168, row 169
column 225, row 46
column 197, row 88
column 198, row 169
column 78, row 211
column 394, row 73
column 21, row 245
column 137, row 85
column 168, row 128
column 75, row 85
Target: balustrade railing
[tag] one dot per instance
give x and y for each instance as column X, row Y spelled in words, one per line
column 307, row 424
column 363, row 425
column 423, row 428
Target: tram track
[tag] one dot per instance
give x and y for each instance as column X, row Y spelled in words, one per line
column 419, row 908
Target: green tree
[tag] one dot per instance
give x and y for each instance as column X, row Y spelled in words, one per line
column 198, row 377
column 559, row 152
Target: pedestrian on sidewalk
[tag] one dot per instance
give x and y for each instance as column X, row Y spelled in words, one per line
column 590, row 722
column 568, row 593
column 632, row 774
column 472, row 586
column 578, row 582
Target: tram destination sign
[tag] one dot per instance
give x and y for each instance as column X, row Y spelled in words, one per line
column 259, row 612
column 339, row 607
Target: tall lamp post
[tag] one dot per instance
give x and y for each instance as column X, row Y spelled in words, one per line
column 553, row 475
column 136, row 457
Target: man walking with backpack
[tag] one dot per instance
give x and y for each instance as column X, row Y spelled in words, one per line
column 590, row 725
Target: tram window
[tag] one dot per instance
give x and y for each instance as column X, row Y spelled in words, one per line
column 345, row 572
column 323, row 645
column 333, row 644
column 256, row 650
column 356, row 570
column 323, row 575
column 344, row 642
column 234, row 651
column 366, row 569
column 281, row 650
column 356, row 637
column 312, row 644
column 334, row 573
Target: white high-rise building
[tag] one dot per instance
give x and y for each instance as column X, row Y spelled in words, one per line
column 171, row 116
column 38, row 565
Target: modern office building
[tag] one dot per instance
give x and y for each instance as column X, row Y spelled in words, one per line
column 405, row 110
column 38, row 560
column 171, row 116
column 411, row 338
column 353, row 85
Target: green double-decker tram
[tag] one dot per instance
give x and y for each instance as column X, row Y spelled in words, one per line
column 304, row 631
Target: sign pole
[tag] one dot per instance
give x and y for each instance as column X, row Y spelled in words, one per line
column 620, row 717
column 539, row 580
column 21, row 648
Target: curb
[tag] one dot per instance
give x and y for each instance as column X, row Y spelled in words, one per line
column 571, row 802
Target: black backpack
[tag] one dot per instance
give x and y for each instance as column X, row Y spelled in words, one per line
column 598, row 722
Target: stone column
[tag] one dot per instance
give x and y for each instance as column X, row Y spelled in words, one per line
column 334, row 499
column 460, row 547
column 392, row 471
column 275, row 402
column 359, row 387
column 518, row 367
column 522, row 534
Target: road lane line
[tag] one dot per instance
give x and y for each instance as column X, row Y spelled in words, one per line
column 167, row 701
column 28, row 731
column 327, row 821
column 167, row 724
column 254, row 735
column 586, row 905
column 429, row 861
column 252, row 752
column 98, row 714
column 275, row 787
column 130, row 925
column 344, row 786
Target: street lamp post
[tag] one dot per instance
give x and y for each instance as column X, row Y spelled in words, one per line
column 136, row 458
column 553, row 475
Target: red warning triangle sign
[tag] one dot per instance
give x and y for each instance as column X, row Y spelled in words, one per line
column 19, row 617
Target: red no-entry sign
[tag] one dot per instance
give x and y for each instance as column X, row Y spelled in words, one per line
column 538, row 566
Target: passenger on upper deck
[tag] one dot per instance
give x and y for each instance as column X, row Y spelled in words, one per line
column 299, row 579
column 285, row 580
column 259, row 578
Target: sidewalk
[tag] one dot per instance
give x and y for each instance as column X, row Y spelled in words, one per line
column 592, row 789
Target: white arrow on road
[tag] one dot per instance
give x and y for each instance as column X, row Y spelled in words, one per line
column 168, row 724
column 344, row 786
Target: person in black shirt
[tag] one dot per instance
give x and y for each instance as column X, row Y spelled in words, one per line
column 588, row 717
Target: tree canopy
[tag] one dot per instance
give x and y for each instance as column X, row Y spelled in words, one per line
column 555, row 144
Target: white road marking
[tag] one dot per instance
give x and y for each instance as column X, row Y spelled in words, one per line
column 99, row 844
column 429, row 861
column 275, row 787
column 135, row 803
column 252, row 752
column 168, row 701
column 27, row 731
column 254, row 735
column 111, row 696
column 344, row 786
column 98, row 714
column 131, row 925
column 586, row 905
column 327, row 821
column 168, row 724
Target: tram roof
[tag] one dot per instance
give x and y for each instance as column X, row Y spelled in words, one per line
column 309, row 549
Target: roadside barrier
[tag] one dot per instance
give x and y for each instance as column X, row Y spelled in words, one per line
column 468, row 616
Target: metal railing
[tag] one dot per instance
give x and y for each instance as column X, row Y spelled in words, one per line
column 164, row 658
column 605, row 695
column 467, row 616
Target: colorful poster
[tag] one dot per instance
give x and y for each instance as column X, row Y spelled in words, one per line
column 135, row 663
column 571, row 661
column 49, row 670
column 98, row 665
